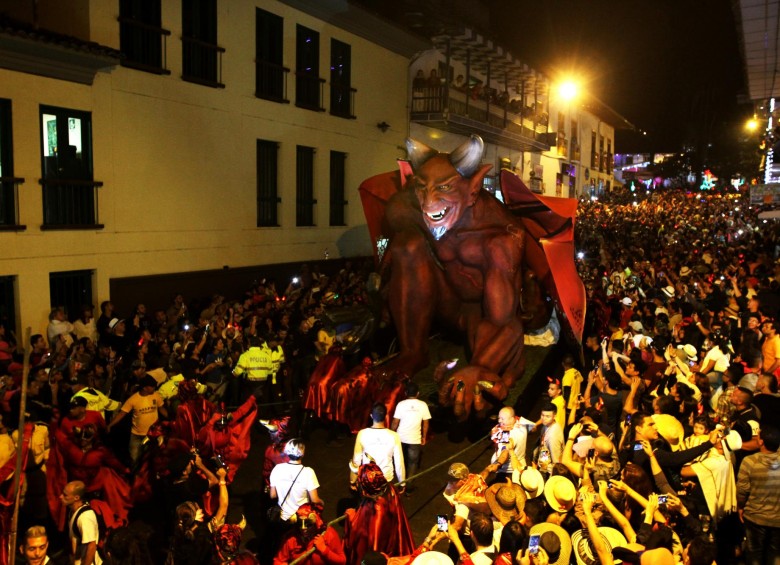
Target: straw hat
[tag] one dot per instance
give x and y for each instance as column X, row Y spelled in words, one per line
column 560, row 493
column 505, row 500
column 531, row 480
column 584, row 550
column 559, row 551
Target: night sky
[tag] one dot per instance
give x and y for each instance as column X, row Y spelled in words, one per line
column 671, row 67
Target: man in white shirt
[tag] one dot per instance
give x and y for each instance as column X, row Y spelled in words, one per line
column 509, row 427
column 82, row 525
column 293, row 484
column 410, row 420
column 379, row 444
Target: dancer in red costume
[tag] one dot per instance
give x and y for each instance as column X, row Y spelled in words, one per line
column 379, row 523
column 227, row 547
column 227, row 435
column 192, row 414
column 98, row 468
column 274, row 453
column 329, row 369
column 311, row 532
column 160, row 449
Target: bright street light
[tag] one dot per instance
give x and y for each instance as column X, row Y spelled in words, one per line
column 751, row 124
column 568, row 90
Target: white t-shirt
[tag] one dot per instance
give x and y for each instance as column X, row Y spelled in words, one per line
column 410, row 414
column 384, row 447
column 282, row 477
column 720, row 359
column 88, row 528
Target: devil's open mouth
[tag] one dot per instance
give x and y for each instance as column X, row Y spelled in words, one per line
column 438, row 216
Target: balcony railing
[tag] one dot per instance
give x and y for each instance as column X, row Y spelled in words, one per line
column 271, row 81
column 309, row 91
column 444, row 100
column 9, row 204
column 143, row 46
column 70, row 204
column 202, row 62
column 342, row 101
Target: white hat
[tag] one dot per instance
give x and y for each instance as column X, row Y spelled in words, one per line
column 560, row 493
column 668, row 291
column 688, row 350
column 685, row 271
column 627, row 301
column 531, row 480
column 112, row 324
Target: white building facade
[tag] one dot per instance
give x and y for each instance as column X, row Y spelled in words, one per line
column 226, row 134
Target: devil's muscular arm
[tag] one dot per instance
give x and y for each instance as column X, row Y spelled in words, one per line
column 497, row 332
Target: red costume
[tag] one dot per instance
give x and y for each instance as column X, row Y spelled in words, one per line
column 98, row 468
column 192, row 414
column 329, row 369
column 379, row 523
column 160, row 450
column 229, row 438
column 274, row 453
column 311, row 533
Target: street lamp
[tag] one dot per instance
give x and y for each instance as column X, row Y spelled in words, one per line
column 568, row 90
column 751, row 125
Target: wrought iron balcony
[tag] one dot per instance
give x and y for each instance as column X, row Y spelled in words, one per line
column 9, row 204
column 70, row 204
column 202, row 63
column 271, row 81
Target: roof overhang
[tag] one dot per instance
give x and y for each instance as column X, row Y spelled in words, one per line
column 357, row 20
column 53, row 60
column 757, row 27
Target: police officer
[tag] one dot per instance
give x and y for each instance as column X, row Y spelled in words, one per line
column 254, row 367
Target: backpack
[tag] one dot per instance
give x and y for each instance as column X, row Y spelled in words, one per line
column 101, row 523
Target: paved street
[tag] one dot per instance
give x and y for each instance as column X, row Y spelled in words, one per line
column 330, row 458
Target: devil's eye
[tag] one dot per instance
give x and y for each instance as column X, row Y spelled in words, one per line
column 444, row 188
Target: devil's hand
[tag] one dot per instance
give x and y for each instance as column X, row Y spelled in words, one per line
column 467, row 386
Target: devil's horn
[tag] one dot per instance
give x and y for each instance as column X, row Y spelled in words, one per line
column 419, row 153
column 467, row 157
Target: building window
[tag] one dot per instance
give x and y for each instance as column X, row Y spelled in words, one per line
column 342, row 95
column 9, row 211
column 602, row 156
column 304, row 187
column 338, row 204
column 8, row 304
column 202, row 57
column 308, row 84
column 141, row 37
column 608, row 166
column 594, row 155
column 271, row 76
column 69, row 191
column 575, row 141
column 267, row 184
column 72, row 290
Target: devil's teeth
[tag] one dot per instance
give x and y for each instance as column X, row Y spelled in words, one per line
column 438, row 215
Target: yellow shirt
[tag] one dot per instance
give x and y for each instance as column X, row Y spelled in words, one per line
column 560, row 414
column 771, row 351
column 144, row 409
column 572, row 378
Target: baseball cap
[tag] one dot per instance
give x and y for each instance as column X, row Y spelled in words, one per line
column 78, row 401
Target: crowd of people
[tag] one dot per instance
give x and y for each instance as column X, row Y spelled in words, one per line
column 657, row 442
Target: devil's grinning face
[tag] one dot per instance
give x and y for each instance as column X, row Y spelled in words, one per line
column 443, row 194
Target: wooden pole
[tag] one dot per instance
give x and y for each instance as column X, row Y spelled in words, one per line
column 19, row 449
